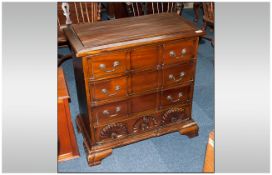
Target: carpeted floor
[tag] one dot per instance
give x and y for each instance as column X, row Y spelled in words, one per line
column 169, row 153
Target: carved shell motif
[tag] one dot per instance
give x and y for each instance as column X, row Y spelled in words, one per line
column 114, row 131
column 144, row 123
column 173, row 115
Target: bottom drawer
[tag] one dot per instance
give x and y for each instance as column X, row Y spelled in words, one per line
column 140, row 124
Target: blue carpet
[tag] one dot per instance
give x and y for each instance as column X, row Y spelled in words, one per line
column 169, row 153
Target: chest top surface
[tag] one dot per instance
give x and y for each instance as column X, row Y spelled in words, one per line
column 122, row 33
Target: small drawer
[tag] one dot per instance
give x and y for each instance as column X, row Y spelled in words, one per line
column 175, row 96
column 144, row 81
column 111, row 88
column 178, row 74
column 178, row 51
column 106, row 113
column 144, row 57
column 107, row 64
column 144, row 103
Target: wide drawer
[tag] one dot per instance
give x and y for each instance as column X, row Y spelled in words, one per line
column 108, row 89
column 178, row 51
column 178, row 74
column 107, row 64
column 176, row 95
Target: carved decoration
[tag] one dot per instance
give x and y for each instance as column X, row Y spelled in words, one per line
column 144, row 123
column 114, row 131
column 173, row 115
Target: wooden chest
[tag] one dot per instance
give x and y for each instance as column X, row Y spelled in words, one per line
column 135, row 80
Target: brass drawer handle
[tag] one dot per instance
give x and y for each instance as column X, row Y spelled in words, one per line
column 115, row 65
column 105, row 91
column 183, row 52
column 172, row 53
column 169, row 98
column 117, row 110
column 172, row 77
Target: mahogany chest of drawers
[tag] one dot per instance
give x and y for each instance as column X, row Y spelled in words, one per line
column 135, row 80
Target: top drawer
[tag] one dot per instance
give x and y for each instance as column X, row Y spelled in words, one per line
column 178, row 51
column 107, row 64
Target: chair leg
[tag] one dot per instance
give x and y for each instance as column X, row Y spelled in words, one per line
column 63, row 58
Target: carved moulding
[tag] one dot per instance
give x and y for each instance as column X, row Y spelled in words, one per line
column 173, row 115
column 114, row 131
column 145, row 123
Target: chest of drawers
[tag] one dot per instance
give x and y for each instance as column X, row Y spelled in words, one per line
column 135, row 80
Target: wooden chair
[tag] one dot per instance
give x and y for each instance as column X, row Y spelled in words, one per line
column 144, row 8
column 74, row 13
column 208, row 18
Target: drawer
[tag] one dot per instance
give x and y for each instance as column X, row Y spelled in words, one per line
column 144, row 57
column 109, row 112
column 107, row 64
column 111, row 88
column 178, row 51
column 177, row 95
column 178, row 74
column 144, row 103
column 144, row 81
column 122, row 129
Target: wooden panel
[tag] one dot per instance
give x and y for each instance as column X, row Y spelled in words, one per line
column 107, row 64
column 112, row 88
column 209, row 157
column 144, row 81
column 67, row 146
column 143, row 57
column 128, row 32
column 178, row 51
column 178, row 74
column 143, row 103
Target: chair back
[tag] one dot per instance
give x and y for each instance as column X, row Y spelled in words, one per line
column 78, row 12
column 144, row 8
column 208, row 9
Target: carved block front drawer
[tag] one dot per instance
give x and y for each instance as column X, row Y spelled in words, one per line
column 178, row 74
column 107, row 64
column 110, row 88
column 176, row 96
column 178, row 51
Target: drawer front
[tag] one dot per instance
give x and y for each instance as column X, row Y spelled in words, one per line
column 115, row 131
column 107, row 64
column 175, row 96
column 111, row 88
column 109, row 112
column 144, row 81
column 178, row 74
column 144, row 57
column 175, row 52
column 144, row 103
